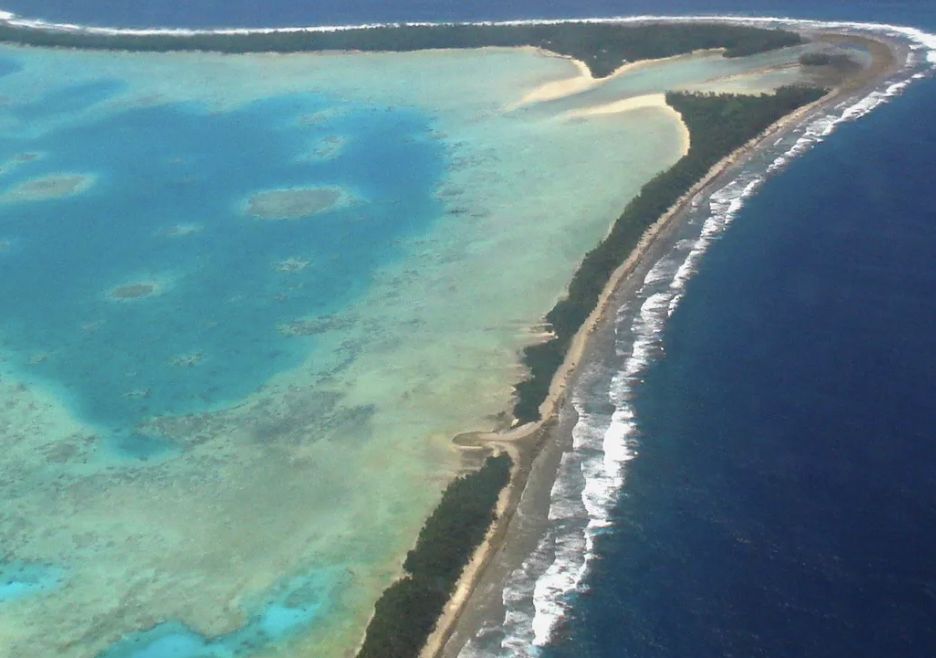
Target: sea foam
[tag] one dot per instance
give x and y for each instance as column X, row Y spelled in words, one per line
column 539, row 595
column 591, row 475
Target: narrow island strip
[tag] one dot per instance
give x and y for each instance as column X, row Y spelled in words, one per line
column 719, row 125
column 418, row 613
column 725, row 130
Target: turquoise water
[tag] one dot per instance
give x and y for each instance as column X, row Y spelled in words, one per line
column 167, row 207
column 19, row 579
column 287, row 610
column 300, row 379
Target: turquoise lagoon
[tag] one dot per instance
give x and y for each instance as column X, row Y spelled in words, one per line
column 248, row 300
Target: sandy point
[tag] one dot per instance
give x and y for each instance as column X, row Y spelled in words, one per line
column 584, row 80
column 297, row 202
column 49, row 187
column 129, row 292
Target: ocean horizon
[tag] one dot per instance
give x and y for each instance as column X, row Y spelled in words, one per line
column 324, row 278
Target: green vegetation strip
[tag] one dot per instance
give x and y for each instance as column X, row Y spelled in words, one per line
column 603, row 46
column 408, row 610
column 718, row 124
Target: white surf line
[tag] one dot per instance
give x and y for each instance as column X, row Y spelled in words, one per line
column 921, row 39
column 612, row 446
column 601, row 451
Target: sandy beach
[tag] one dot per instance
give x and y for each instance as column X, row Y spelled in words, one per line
column 374, row 363
column 537, row 447
column 585, row 80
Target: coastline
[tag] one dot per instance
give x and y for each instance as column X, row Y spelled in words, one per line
column 541, row 441
column 529, row 445
column 586, row 81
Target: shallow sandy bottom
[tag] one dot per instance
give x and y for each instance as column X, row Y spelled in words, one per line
column 325, row 474
column 295, row 203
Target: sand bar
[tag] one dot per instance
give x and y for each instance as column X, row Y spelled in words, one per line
column 585, row 80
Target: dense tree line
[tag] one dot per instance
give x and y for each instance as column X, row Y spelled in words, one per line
column 408, row 610
column 718, row 124
column 839, row 60
column 603, row 46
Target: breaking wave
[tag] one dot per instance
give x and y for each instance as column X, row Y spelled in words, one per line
column 538, row 596
column 920, row 41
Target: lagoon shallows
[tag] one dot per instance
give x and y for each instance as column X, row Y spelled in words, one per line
column 248, row 300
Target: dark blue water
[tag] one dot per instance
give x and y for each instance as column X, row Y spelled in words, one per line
column 278, row 13
column 784, row 499
column 783, row 502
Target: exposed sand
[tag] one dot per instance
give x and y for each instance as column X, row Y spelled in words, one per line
column 584, row 81
column 390, row 384
column 228, row 477
column 524, row 442
column 651, row 101
column 49, row 187
column 657, row 101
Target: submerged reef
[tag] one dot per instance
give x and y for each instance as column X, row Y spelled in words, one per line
column 133, row 291
column 19, row 159
column 602, row 46
column 49, row 187
column 182, row 230
column 294, row 203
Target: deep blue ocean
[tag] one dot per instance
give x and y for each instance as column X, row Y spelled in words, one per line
column 783, row 501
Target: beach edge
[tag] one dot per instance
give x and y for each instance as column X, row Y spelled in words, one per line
column 525, row 443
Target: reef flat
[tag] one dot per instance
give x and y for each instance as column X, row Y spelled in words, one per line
column 196, row 469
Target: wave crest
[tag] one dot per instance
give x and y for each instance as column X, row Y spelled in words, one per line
column 539, row 595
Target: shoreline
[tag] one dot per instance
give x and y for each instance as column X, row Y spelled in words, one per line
column 585, row 80
column 526, row 442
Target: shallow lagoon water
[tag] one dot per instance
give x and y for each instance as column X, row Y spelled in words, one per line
column 195, row 401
